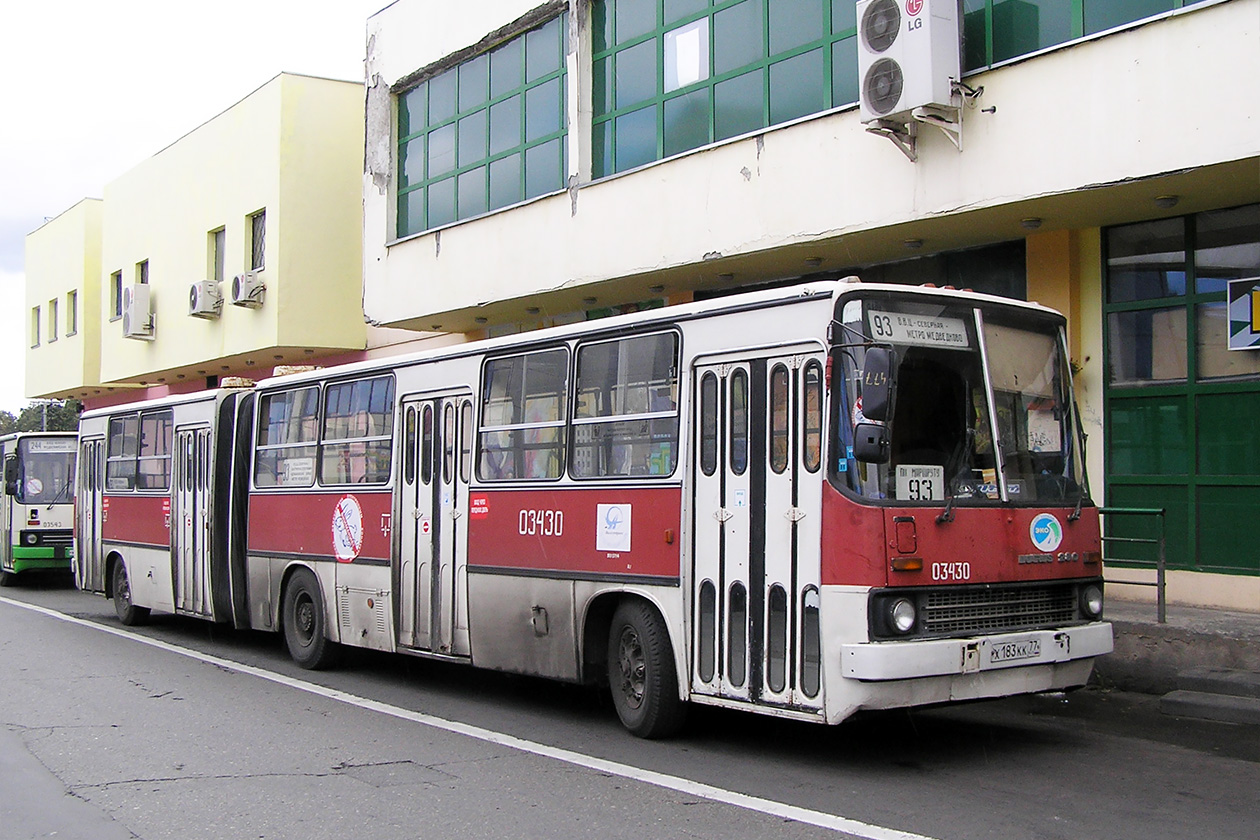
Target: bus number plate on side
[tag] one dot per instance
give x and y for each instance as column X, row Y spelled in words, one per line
column 1014, row 651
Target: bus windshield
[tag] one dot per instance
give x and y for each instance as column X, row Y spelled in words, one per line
column 981, row 412
column 46, row 470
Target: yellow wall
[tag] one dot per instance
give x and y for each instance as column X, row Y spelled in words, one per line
column 292, row 148
column 63, row 256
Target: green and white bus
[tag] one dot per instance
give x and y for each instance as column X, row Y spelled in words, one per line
column 37, row 514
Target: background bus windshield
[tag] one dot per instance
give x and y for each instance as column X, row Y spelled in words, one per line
column 46, row 471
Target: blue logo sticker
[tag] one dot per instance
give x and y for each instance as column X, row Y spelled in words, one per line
column 1046, row 532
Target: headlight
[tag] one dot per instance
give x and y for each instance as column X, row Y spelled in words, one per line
column 902, row 615
column 1092, row 601
column 31, row 539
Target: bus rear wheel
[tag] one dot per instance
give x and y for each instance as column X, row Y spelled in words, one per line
column 305, row 623
column 128, row 613
column 641, row 672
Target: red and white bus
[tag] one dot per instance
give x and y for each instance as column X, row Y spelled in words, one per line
column 805, row 502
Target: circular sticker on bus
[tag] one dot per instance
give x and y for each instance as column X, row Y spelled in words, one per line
column 1046, row 532
column 347, row 529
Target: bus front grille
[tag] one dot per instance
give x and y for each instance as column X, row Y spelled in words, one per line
column 950, row 612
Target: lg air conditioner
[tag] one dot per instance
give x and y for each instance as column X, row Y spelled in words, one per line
column 205, row 300
column 908, row 56
column 248, row 290
column 137, row 317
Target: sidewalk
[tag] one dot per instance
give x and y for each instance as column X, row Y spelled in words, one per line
column 1149, row 656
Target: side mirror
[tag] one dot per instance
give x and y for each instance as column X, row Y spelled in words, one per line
column 870, row 443
column 877, row 383
column 11, row 475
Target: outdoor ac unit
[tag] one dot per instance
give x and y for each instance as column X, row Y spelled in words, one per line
column 205, row 300
column 137, row 318
column 248, row 290
column 908, row 56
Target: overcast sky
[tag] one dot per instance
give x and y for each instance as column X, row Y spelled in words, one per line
column 89, row 89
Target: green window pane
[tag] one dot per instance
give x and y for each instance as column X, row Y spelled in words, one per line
column 1147, row 345
column 843, row 16
column 505, row 68
column 442, row 97
column 1024, row 26
column 634, row 18
column 472, row 138
column 687, row 122
column 542, row 50
column 1104, row 14
column 1213, row 358
column 1146, row 260
column 1227, row 523
column 797, row 87
column 601, row 26
column 505, row 181
column 602, row 86
column 1229, row 434
column 636, row 74
column 412, row 163
column 543, row 167
column 1148, row 437
column 411, row 110
column 411, row 213
column 636, row 139
column 975, row 35
column 794, row 23
column 738, row 105
column 738, row 36
column 474, row 77
column 1227, row 247
column 472, row 192
column 601, row 149
column 1176, row 524
column 441, row 204
column 505, row 125
column 844, row 81
column 676, row 10
column 542, row 110
column 441, row 150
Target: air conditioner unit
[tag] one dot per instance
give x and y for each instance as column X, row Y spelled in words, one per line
column 248, row 290
column 908, row 56
column 137, row 318
column 205, row 300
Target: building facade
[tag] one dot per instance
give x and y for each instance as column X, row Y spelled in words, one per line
column 236, row 249
column 529, row 164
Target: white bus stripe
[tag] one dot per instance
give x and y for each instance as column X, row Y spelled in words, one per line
column 851, row 827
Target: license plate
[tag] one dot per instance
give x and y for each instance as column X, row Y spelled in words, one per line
column 1014, row 651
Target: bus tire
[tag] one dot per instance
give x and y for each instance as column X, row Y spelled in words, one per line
column 306, row 624
column 641, row 672
column 7, row 578
column 127, row 612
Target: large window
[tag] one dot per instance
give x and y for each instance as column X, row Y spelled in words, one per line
column 1183, row 410
column 138, row 454
column 484, row 134
column 288, row 430
column 358, row 432
column 523, row 416
column 674, row 75
column 625, row 416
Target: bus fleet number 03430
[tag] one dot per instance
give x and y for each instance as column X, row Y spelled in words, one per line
column 951, row 571
column 540, row 523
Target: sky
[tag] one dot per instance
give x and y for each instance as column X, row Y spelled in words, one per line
column 89, row 89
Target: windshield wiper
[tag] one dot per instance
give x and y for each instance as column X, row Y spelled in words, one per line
column 947, row 515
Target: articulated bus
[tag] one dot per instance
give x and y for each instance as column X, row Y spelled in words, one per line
column 805, row 502
column 36, row 516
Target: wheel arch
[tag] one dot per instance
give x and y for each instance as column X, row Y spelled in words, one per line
column 329, row 600
column 597, row 619
column 112, row 561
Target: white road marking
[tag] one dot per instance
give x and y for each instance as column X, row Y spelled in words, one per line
column 851, row 827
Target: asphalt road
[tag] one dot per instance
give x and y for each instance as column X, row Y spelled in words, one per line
column 187, row 730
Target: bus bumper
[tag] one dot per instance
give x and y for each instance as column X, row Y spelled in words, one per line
column 902, row 660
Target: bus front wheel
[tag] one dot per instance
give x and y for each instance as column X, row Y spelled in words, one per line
column 128, row 613
column 641, row 672
column 305, row 623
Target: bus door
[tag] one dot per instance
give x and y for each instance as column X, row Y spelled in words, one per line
column 89, row 569
column 433, row 557
column 757, row 546
column 190, row 520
